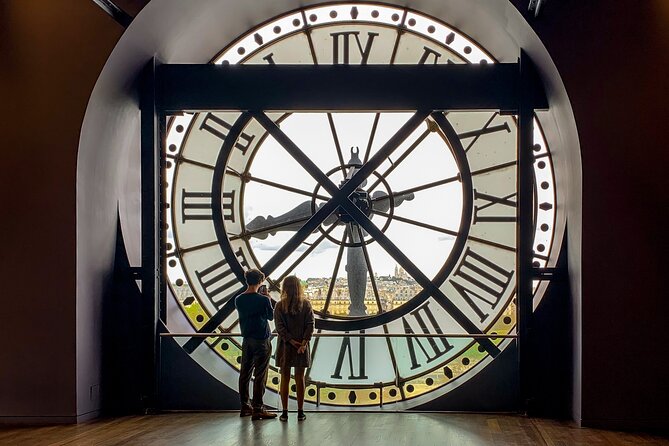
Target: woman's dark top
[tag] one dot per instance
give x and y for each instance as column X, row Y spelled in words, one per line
column 254, row 311
column 299, row 327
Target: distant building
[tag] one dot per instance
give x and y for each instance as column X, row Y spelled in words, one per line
column 400, row 273
column 393, row 291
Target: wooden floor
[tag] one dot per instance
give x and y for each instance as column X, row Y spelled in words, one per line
column 323, row 429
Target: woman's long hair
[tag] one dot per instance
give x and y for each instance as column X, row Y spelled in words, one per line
column 292, row 295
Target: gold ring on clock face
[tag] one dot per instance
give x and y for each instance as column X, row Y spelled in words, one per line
column 422, row 242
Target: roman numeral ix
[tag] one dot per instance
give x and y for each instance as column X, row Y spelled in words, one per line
column 495, row 208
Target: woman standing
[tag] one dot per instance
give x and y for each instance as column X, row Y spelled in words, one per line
column 294, row 321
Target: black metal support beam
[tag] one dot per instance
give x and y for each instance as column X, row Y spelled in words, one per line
column 118, row 14
column 338, row 87
column 150, row 272
column 547, row 273
column 525, row 228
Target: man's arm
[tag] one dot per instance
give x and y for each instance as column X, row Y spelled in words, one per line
column 269, row 311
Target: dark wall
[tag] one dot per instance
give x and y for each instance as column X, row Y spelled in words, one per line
column 614, row 60
column 51, row 54
column 551, row 350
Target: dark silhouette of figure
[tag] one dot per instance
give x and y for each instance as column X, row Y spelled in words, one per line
column 254, row 310
column 294, row 320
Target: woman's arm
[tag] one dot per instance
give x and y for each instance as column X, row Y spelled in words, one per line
column 309, row 322
column 280, row 325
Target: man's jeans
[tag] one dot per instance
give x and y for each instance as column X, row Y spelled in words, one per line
column 255, row 358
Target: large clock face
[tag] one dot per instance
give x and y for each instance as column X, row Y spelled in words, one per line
column 439, row 189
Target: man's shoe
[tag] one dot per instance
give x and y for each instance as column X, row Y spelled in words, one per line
column 284, row 416
column 246, row 411
column 262, row 414
column 301, row 416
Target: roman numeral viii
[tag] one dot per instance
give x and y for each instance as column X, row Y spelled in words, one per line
column 346, row 351
column 218, row 277
column 432, row 348
column 219, row 128
column 480, row 282
column 341, row 46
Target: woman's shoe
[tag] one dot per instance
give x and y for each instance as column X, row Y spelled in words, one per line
column 301, row 416
column 284, row 416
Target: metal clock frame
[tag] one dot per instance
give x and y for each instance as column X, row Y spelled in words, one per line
column 511, row 88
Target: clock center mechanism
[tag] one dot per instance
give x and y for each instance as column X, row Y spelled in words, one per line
column 378, row 204
column 360, row 197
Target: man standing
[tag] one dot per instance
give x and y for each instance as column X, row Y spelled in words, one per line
column 254, row 310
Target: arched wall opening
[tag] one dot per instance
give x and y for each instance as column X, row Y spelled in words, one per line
column 108, row 173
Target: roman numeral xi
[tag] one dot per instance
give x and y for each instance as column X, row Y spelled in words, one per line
column 220, row 128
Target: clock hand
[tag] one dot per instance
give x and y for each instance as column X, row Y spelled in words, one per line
column 260, row 227
column 381, row 200
column 356, row 268
column 356, row 272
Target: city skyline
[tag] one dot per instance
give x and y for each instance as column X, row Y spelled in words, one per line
column 394, row 290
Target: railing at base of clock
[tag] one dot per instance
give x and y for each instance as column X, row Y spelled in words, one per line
column 352, row 335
